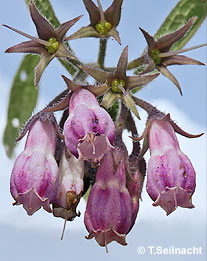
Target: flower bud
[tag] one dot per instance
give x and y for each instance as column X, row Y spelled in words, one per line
column 89, row 130
column 109, row 209
column 35, row 173
column 170, row 176
column 70, row 186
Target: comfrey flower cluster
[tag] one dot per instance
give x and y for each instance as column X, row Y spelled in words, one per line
column 85, row 152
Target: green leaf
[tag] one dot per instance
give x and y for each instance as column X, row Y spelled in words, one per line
column 183, row 11
column 86, row 195
column 46, row 9
column 23, row 98
column 113, row 111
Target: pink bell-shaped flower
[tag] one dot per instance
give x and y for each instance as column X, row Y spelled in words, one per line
column 170, row 175
column 34, row 177
column 108, row 213
column 89, row 130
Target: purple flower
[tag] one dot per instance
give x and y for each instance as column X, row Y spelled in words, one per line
column 89, row 130
column 70, row 186
column 34, row 177
column 108, row 215
column 170, row 176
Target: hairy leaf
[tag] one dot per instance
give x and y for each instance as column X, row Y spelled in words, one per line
column 183, row 11
column 23, row 98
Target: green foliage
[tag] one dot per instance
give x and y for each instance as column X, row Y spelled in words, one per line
column 23, row 98
column 113, row 111
column 183, row 11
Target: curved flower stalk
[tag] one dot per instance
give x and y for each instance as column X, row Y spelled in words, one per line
column 118, row 83
column 34, row 177
column 160, row 57
column 89, row 130
column 102, row 23
column 48, row 45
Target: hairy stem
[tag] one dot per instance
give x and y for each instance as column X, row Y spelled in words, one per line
column 121, row 120
column 131, row 126
column 102, row 53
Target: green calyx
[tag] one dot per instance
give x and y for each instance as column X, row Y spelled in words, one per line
column 54, row 45
column 155, row 56
column 117, row 85
column 103, row 27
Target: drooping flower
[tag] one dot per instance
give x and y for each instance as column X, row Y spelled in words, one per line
column 159, row 55
column 34, row 177
column 102, row 23
column 170, row 175
column 48, row 45
column 89, row 130
column 118, row 83
column 108, row 213
column 70, row 187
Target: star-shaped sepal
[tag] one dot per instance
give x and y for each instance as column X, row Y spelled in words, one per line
column 160, row 57
column 48, row 45
column 102, row 23
column 119, row 84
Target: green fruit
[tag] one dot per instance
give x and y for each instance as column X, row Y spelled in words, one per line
column 51, row 50
column 103, row 31
column 107, row 26
column 54, row 45
column 103, row 27
column 122, row 83
column 52, row 40
column 116, row 84
column 99, row 27
column 155, row 56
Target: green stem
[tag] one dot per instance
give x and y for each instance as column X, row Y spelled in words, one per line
column 121, row 120
column 136, row 63
column 102, row 53
column 81, row 76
